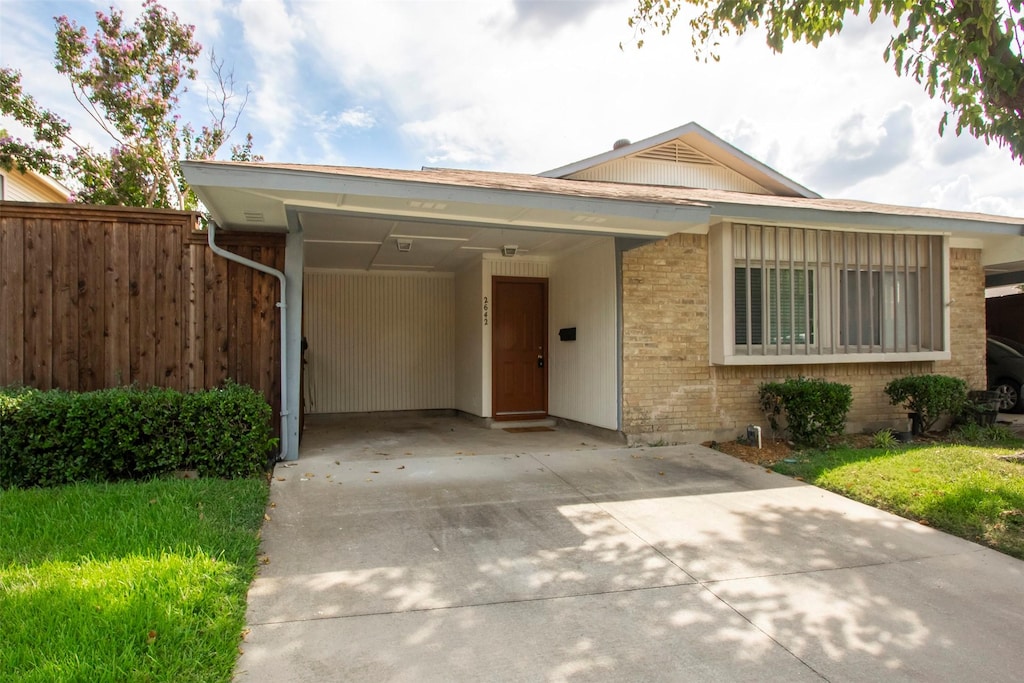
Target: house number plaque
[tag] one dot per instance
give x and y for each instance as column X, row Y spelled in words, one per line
column 486, row 308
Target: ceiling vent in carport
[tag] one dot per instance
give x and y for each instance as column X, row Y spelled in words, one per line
column 253, row 216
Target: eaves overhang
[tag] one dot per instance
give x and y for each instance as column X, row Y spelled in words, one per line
column 870, row 220
column 275, row 191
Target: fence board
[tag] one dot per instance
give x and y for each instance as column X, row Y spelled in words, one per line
column 39, row 303
column 216, row 318
column 65, row 303
column 91, row 306
column 170, row 355
column 12, row 300
column 117, row 349
column 99, row 297
column 149, row 280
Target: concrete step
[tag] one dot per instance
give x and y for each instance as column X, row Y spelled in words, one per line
column 505, row 424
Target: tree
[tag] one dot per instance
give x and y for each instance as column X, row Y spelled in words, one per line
column 969, row 52
column 129, row 79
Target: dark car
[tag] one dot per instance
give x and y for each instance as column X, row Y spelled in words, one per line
column 1006, row 372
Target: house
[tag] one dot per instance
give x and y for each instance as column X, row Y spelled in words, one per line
column 646, row 290
column 16, row 186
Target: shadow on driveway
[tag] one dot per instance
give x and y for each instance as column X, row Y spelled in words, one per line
column 598, row 563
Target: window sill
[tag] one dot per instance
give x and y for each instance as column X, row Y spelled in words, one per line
column 828, row 359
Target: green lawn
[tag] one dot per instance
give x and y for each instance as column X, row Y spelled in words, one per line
column 127, row 582
column 964, row 490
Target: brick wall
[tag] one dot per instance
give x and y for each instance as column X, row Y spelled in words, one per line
column 966, row 318
column 671, row 391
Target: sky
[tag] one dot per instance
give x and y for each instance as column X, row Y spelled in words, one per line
column 526, row 86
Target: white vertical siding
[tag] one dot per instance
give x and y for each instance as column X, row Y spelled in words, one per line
column 675, row 174
column 469, row 351
column 379, row 341
column 583, row 374
column 517, row 268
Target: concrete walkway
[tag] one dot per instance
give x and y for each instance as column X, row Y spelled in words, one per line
column 426, row 554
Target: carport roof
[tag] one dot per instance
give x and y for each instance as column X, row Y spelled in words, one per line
column 258, row 196
column 209, row 176
column 266, row 196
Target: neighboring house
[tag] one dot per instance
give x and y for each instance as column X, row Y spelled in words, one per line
column 16, row 186
column 646, row 290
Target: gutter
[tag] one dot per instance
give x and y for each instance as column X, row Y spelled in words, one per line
column 231, row 256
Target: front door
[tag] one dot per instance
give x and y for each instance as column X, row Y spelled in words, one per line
column 519, row 348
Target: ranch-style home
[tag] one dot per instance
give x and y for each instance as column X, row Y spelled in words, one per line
column 646, row 290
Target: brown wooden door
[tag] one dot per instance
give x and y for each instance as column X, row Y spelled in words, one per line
column 519, row 348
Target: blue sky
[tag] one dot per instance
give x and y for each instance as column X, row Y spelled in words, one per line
column 516, row 85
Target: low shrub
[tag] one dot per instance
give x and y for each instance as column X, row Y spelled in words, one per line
column 974, row 434
column 930, row 396
column 814, row 409
column 884, row 439
column 49, row 438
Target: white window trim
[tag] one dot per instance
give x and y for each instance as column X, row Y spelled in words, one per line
column 722, row 348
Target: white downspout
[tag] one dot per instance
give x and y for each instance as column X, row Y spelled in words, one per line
column 231, row 256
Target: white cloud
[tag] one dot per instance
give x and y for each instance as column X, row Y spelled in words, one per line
column 960, row 195
column 863, row 148
column 273, row 39
column 357, row 117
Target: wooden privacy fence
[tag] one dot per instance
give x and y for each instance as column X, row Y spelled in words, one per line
column 1005, row 316
column 96, row 297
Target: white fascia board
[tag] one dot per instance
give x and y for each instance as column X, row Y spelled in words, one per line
column 203, row 178
column 821, row 218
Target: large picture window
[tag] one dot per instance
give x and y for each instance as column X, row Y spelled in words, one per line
column 803, row 291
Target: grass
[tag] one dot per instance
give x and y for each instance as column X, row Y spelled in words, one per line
column 964, row 490
column 127, row 582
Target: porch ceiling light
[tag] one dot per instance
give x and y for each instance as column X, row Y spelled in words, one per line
column 404, row 245
column 509, row 250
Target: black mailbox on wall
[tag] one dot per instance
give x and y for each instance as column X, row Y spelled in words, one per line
column 567, row 334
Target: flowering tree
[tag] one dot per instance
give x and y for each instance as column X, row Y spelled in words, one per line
column 969, row 52
column 129, row 80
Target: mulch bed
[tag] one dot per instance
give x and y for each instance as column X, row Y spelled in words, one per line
column 775, row 450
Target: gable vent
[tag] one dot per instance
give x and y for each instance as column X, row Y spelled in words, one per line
column 677, row 152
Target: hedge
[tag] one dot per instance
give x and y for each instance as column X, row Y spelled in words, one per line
column 49, row 438
column 930, row 396
column 814, row 409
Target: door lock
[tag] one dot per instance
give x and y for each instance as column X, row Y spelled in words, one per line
column 540, row 361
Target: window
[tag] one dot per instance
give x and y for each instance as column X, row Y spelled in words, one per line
column 789, row 313
column 804, row 291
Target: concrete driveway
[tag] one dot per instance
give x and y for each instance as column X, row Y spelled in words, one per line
column 428, row 551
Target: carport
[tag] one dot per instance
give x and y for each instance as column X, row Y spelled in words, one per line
column 496, row 295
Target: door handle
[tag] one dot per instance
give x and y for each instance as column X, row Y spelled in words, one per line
column 540, row 361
